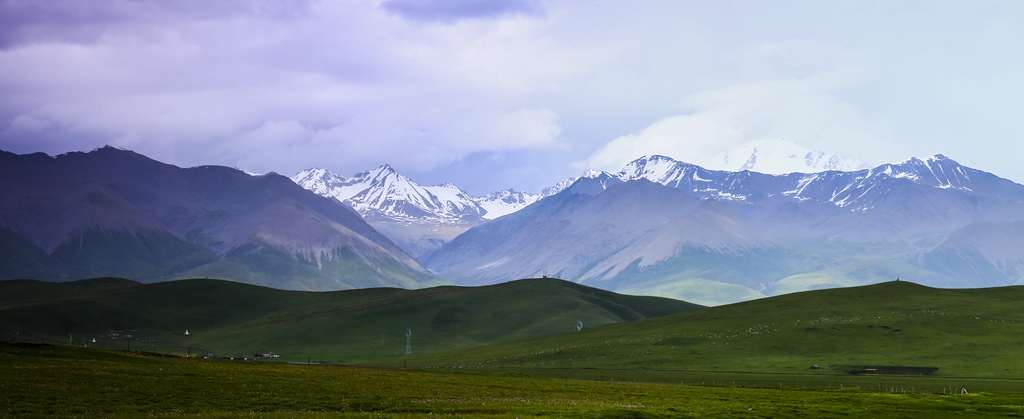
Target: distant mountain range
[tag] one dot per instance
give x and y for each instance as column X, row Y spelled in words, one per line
column 422, row 218
column 418, row 218
column 658, row 226
column 639, row 231
column 112, row 212
column 820, row 220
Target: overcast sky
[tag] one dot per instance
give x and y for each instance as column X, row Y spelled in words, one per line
column 511, row 93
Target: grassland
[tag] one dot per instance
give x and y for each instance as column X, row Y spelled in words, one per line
column 749, row 359
column 64, row 381
column 977, row 333
column 234, row 319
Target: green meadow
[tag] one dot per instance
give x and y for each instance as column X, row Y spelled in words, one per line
column 43, row 380
column 893, row 349
column 962, row 332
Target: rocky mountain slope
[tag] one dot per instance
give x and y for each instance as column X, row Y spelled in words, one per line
column 614, row 237
column 112, row 212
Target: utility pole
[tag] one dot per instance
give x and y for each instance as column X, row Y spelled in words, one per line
column 408, row 342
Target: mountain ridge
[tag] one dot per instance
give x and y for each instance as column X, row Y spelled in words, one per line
column 83, row 211
column 832, row 228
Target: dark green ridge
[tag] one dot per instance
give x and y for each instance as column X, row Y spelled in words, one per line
column 234, row 319
column 964, row 332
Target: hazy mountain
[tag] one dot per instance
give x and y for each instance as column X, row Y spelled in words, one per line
column 112, row 212
column 615, row 237
column 929, row 219
column 984, row 254
column 782, row 156
column 891, row 202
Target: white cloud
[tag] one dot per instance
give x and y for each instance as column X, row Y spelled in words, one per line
column 340, row 85
column 409, row 142
column 429, row 86
column 806, row 110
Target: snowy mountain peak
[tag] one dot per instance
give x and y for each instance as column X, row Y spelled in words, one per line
column 248, row 172
column 108, row 147
column 659, row 169
column 504, row 202
column 380, row 172
column 561, row 186
column 385, row 194
column 938, row 171
column 781, row 157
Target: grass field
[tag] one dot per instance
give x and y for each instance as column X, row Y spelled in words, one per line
column 234, row 319
column 975, row 333
column 74, row 382
column 749, row 359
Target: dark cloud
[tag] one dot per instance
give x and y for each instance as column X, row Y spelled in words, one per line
column 84, row 22
column 452, row 10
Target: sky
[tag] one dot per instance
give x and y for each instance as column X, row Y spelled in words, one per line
column 511, row 93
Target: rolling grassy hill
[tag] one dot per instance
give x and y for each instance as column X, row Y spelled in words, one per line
column 233, row 319
column 964, row 332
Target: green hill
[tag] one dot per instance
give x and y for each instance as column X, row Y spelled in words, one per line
column 964, row 332
column 233, row 319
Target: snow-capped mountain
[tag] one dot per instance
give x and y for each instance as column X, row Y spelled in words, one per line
column 893, row 201
column 508, row 201
column 931, row 219
column 782, row 156
column 911, row 201
column 419, row 218
column 504, row 202
column 841, row 188
column 384, row 194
